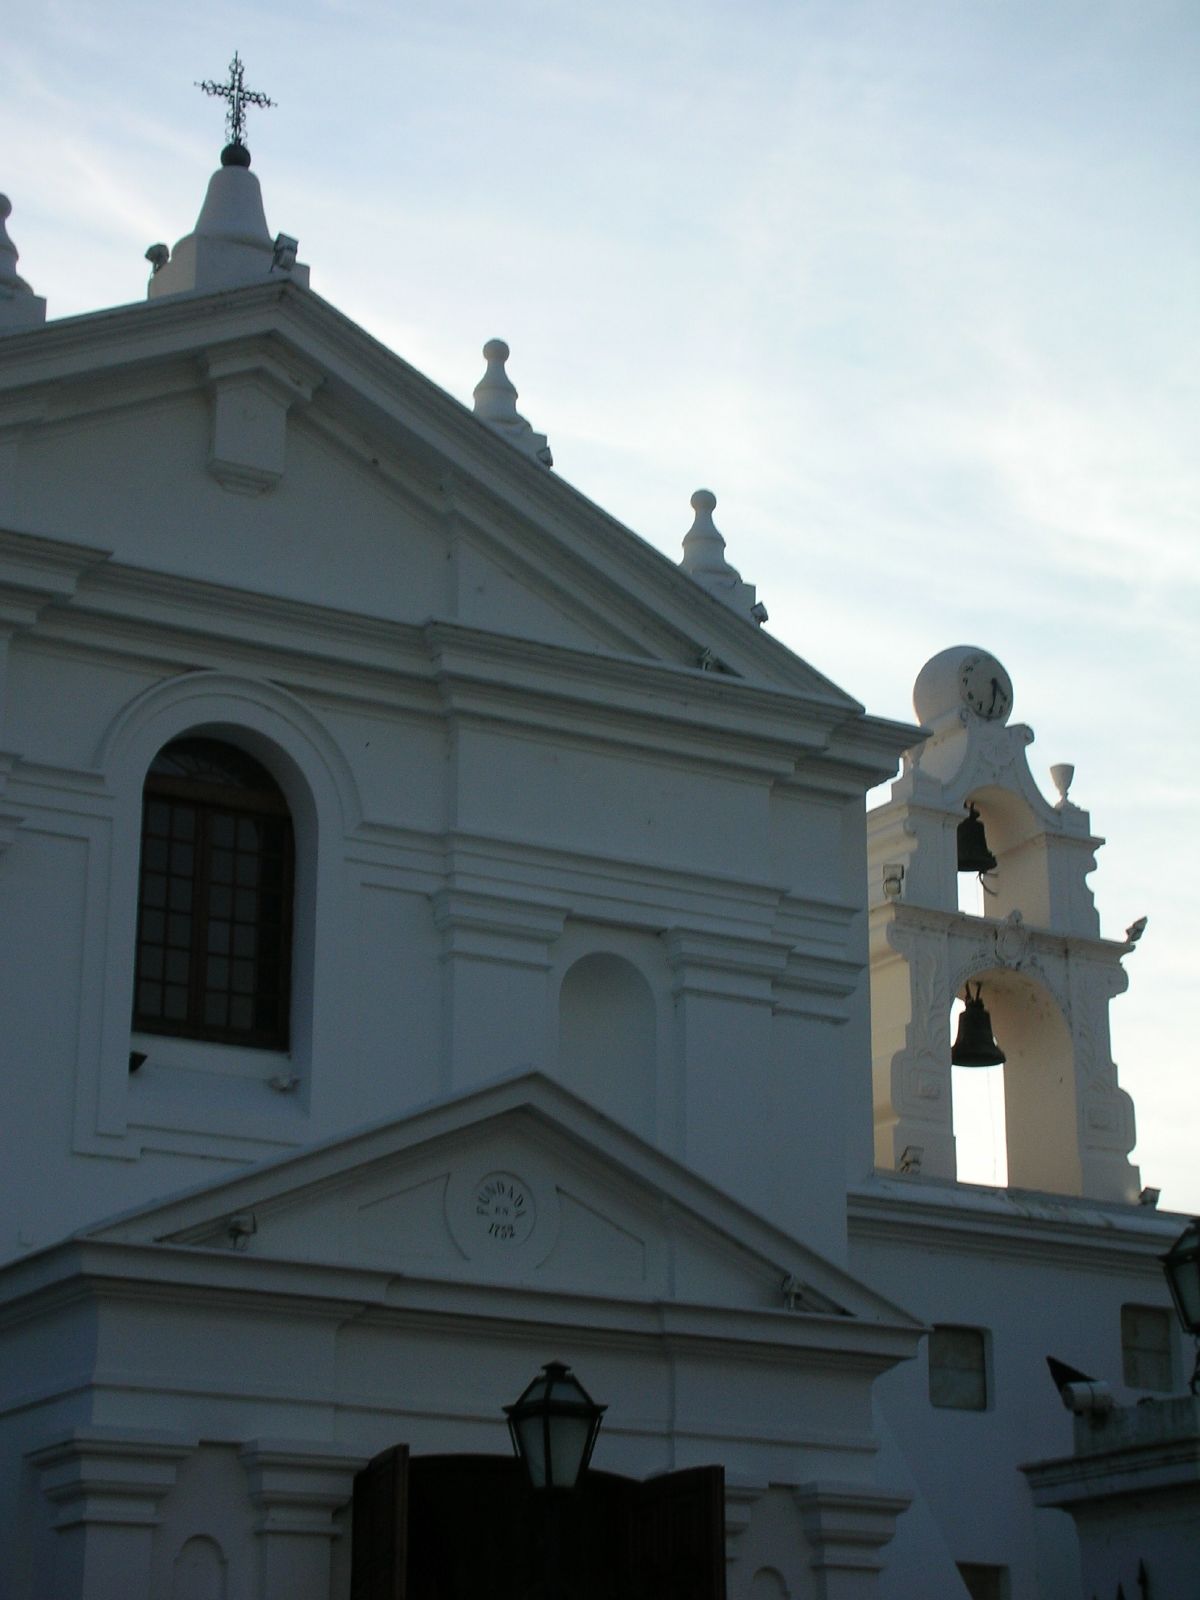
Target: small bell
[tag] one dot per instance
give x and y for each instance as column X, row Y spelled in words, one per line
column 973, row 852
column 975, row 1045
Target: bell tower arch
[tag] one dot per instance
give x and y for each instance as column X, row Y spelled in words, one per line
column 1046, row 975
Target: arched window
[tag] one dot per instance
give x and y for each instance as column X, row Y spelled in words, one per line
column 214, row 898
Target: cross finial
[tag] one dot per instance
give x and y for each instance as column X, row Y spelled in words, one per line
column 239, row 97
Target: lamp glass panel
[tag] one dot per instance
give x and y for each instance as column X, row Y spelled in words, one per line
column 1187, row 1288
column 1182, row 1264
column 533, row 1449
column 568, row 1442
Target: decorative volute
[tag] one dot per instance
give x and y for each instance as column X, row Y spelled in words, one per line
column 1035, row 948
column 231, row 244
column 496, row 404
column 704, row 559
column 20, row 308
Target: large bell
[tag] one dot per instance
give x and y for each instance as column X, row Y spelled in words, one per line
column 973, row 852
column 975, row 1045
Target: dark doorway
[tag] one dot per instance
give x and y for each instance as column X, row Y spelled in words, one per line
column 458, row 1527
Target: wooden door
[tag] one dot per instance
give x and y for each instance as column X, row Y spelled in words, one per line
column 379, row 1536
column 679, row 1535
column 470, row 1525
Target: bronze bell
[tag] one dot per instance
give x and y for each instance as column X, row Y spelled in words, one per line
column 975, row 1045
column 973, row 852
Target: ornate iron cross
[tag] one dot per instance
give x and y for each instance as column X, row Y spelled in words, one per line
column 239, row 98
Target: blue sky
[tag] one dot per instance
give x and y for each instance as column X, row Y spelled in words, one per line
column 912, row 287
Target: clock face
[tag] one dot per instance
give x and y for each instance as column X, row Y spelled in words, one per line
column 985, row 687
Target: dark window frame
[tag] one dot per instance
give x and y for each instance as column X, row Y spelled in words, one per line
column 942, row 1372
column 194, row 882
column 1138, row 1359
column 984, row 1581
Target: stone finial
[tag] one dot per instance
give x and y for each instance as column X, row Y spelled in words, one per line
column 703, row 546
column 704, row 560
column 496, row 404
column 231, row 244
column 20, row 308
column 1061, row 775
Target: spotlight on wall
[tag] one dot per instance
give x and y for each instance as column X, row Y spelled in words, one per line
column 1083, row 1395
column 241, row 1228
column 1149, row 1197
column 893, row 879
column 1094, row 1399
column 793, row 1292
column 285, row 252
column 158, row 255
column 136, row 1059
column 911, row 1159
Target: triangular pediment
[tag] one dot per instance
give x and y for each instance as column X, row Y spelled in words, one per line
column 382, row 495
column 518, row 1184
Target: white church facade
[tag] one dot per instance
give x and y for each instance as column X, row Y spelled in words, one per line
column 443, row 936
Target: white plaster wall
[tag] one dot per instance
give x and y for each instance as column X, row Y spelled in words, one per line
column 1034, row 1301
column 204, row 1547
column 205, row 1378
column 393, row 1003
column 139, row 486
column 469, row 825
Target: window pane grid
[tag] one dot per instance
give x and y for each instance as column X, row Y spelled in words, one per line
column 958, row 1368
column 214, row 916
column 1146, row 1352
column 165, row 935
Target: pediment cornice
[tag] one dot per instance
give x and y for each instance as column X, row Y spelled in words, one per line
column 80, row 598
column 352, row 378
column 610, row 1218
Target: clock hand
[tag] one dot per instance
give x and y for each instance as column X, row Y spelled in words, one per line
column 995, row 692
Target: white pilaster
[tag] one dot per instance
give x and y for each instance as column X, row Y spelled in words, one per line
column 496, row 955
column 847, row 1527
column 105, row 1486
column 297, row 1487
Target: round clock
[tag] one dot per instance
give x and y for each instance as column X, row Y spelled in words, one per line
column 985, row 687
column 966, row 677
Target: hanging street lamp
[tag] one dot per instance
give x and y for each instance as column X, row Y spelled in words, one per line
column 554, row 1426
column 1181, row 1266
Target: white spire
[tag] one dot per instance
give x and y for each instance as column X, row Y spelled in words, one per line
column 704, row 560
column 496, row 404
column 231, row 244
column 19, row 307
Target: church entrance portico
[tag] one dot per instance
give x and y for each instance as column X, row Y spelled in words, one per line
column 456, row 1526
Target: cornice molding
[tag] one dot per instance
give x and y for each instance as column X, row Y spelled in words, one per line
column 1056, row 1230
column 36, row 572
column 87, row 1271
column 743, row 727
column 890, row 919
column 359, row 375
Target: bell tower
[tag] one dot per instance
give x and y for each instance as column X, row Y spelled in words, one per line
column 1035, row 956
